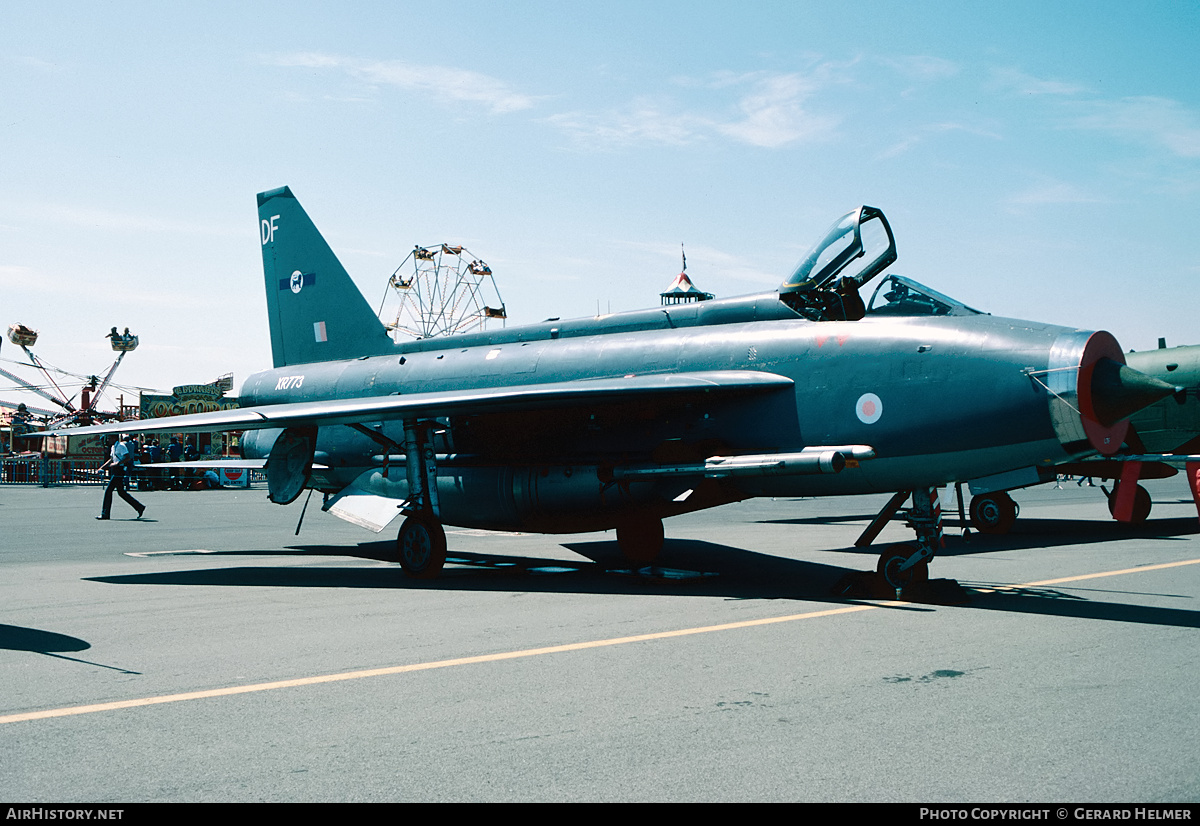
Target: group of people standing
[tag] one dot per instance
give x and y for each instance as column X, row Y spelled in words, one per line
column 123, row 456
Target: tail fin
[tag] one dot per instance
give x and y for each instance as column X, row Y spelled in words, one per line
column 316, row 312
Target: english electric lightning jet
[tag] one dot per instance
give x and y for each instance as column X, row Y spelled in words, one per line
column 619, row 421
column 1159, row 436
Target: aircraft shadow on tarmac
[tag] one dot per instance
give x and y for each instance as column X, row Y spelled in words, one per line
column 835, row 519
column 1032, row 533
column 49, row 643
column 695, row 567
column 685, row 568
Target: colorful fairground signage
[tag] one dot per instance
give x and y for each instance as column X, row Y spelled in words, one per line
column 188, row 398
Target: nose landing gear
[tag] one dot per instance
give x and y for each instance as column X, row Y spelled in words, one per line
column 906, row 565
column 903, row 565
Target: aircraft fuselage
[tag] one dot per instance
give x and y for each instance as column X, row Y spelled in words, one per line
column 621, row 420
column 940, row 399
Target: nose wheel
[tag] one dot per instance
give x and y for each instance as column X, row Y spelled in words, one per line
column 906, row 564
column 892, row 564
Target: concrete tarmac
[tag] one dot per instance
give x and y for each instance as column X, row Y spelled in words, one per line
column 206, row 653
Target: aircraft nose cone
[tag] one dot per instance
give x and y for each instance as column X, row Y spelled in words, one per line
column 1119, row 391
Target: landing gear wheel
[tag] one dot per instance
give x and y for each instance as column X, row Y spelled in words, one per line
column 421, row 547
column 993, row 513
column 891, row 560
column 641, row 539
column 1141, row 504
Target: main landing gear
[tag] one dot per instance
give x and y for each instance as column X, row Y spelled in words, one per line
column 640, row 539
column 421, row 543
column 421, row 546
column 993, row 513
column 1141, row 504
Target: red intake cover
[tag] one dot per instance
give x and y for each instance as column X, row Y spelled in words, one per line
column 1107, row 440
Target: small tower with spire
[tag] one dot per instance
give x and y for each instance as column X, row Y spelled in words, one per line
column 682, row 290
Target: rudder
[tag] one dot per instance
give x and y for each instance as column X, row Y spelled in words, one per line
column 316, row 312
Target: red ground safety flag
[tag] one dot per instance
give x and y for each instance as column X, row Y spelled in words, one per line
column 1126, row 490
column 1193, row 477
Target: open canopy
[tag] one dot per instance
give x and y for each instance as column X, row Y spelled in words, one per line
column 858, row 246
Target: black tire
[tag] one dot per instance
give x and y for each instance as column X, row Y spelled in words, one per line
column 641, row 539
column 421, row 547
column 1141, row 505
column 891, row 559
column 993, row 513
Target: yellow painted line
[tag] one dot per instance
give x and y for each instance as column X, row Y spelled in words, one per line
column 529, row 652
column 1140, row 569
column 405, row 669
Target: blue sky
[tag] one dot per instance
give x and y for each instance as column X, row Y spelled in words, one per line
column 1036, row 160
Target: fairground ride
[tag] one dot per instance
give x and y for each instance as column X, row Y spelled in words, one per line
column 72, row 408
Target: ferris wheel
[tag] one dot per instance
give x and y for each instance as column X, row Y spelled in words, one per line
column 440, row 290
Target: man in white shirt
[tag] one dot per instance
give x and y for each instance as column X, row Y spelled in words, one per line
column 120, row 460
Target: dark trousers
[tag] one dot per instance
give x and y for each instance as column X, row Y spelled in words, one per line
column 117, row 483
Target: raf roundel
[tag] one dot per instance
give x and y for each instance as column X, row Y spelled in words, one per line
column 869, row 408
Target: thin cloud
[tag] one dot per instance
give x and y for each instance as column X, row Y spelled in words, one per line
column 35, row 63
column 17, row 276
column 1055, row 192
column 121, row 221
column 772, row 113
column 709, row 268
column 440, row 82
column 921, row 67
column 645, row 122
column 775, row 114
column 924, row 133
column 1149, row 120
column 1154, row 121
column 97, row 289
column 1018, row 82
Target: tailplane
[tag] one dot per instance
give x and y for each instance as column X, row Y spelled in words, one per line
column 316, row 312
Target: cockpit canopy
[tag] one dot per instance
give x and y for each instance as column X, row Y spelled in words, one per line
column 858, row 247
column 897, row 295
column 854, row 250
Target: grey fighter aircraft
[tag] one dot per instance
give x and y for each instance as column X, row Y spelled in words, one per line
column 619, row 421
column 1158, row 438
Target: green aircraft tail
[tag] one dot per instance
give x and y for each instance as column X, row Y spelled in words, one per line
column 316, row 312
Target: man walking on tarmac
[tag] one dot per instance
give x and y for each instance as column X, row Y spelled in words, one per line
column 120, row 460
